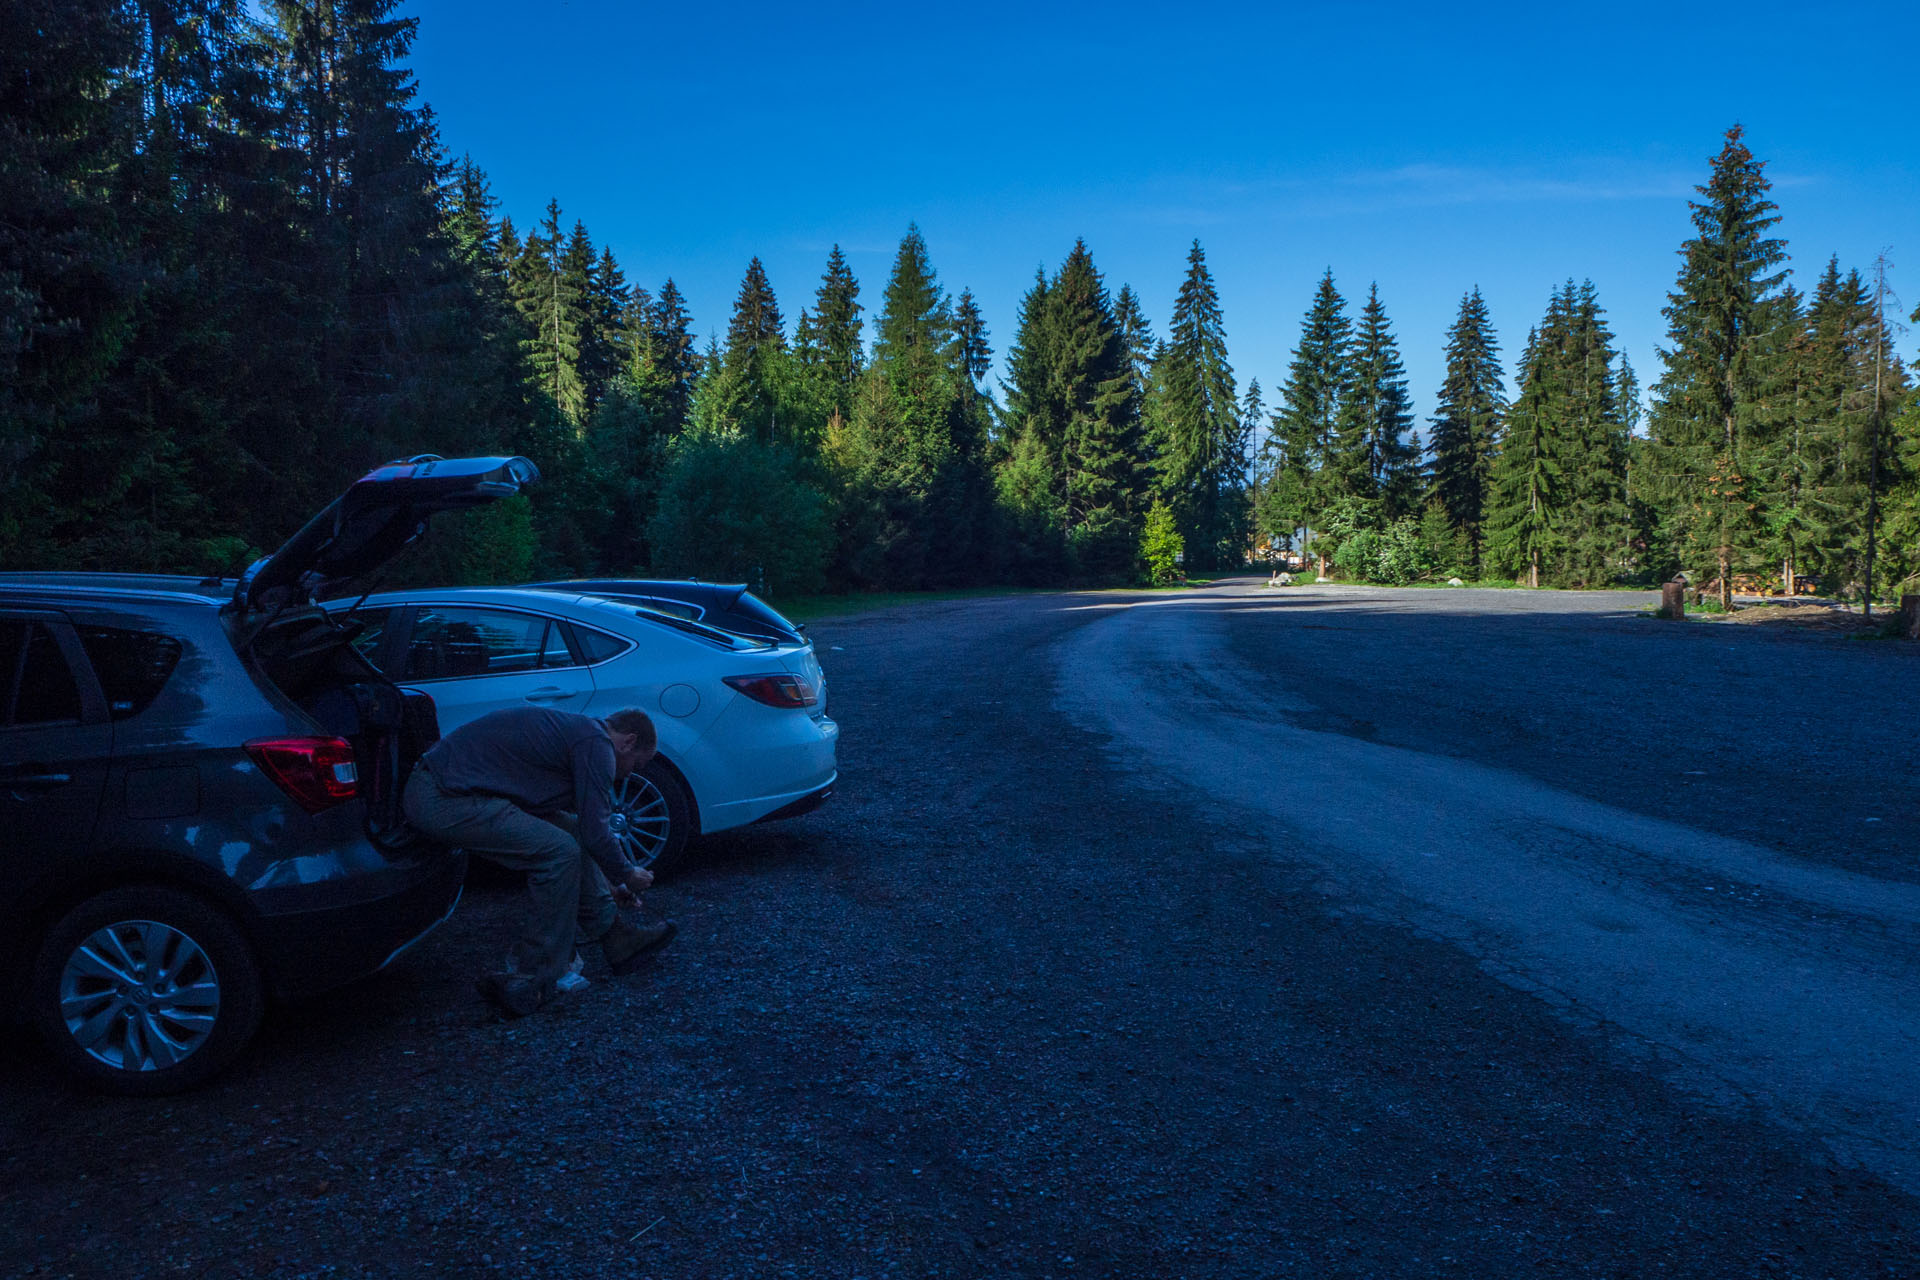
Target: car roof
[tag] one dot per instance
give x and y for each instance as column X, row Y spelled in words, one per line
column 542, row 600
column 714, row 594
column 519, row 597
column 149, row 588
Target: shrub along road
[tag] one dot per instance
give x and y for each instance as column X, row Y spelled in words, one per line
column 1322, row 931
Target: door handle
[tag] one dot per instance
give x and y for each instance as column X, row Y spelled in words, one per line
column 549, row 694
column 35, row 781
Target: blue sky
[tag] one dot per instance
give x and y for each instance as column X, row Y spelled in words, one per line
column 1510, row 147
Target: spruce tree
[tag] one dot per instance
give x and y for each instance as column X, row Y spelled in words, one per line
column 746, row 394
column 554, row 312
column 916, row 442
column 1838, row 367
column 604, row 346
column 672, row 357
column 1136, row 336
column 970, row 330
column 756, row 322
column 1704, row 401
column 1306, row 424
column 1374, row 454
column 1199, row 448
column 836, row 313
column 1527, row 484
column 1592, row 444
column 1467, row 421
column 1792, row 450
column 1091, row 379
column 1030, row 476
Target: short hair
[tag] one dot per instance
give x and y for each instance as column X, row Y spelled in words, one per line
column 638, row 723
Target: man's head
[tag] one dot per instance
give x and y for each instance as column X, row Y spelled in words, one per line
column 634, row 740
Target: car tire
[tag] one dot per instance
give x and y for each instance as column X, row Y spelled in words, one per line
column 653, row 816
column 145, row 990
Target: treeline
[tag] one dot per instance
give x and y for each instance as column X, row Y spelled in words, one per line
column 236, row 269
column 1782, row 442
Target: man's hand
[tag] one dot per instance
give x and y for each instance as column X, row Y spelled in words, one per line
column 638, row 881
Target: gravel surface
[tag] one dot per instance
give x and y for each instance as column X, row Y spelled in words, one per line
column 1000, row 1008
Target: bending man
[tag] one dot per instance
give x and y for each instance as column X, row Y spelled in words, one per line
column 532, row 789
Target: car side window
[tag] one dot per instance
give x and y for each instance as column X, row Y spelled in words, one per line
column 596, row 646
column 38, row 685
column 132, row 666
column 448, row 643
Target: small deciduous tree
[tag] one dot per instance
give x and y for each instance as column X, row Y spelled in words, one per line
column 1161, row 546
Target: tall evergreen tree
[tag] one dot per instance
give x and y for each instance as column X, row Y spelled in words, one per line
column 1467, row 421
column 1792, row 452
column 746, row 393
column 1528, row 486
column 1089, row 386
column 836, row 313
column 551, row 304
column 970, row 330
column 604, row 345
column 1704, row 401
column 1199, row 447
column 913, row 444
column 1374, row 453
column 1592, row 442
column 1560, row 490
column 669, row 358
column 1306, row 424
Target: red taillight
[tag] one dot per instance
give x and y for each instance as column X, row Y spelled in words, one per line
column 317, row 772
column 776, row 691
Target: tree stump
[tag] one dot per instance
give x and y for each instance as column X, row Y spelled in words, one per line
column 1673, row 600
column 1910, row 617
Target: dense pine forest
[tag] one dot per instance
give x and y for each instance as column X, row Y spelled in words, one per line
column 237, row 268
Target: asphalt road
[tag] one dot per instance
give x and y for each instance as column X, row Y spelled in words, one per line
column 1236, row 932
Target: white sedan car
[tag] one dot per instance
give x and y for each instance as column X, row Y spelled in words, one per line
column 744, row 734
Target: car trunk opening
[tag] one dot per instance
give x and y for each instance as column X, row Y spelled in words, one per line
column 310, row 659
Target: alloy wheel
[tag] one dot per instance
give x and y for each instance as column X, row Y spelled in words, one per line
column 642, row 822
column 139, row 995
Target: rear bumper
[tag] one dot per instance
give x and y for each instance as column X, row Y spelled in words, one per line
column 805, row 804
column 309, row 951
column 785, row 804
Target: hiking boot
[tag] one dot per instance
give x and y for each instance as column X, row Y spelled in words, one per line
column 627, row 945
column 512, row 995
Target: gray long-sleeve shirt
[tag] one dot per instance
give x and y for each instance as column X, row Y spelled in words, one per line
column 543, row 760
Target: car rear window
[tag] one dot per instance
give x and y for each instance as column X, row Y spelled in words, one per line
column 133, row 666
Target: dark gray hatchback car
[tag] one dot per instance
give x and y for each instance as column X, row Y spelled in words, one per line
column 200, row 785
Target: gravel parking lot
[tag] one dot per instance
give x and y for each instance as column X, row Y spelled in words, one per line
column 1023, row 1001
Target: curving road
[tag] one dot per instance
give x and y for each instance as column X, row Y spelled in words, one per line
column 1234, row 933
column 1745, row 972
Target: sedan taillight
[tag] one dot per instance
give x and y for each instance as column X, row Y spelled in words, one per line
column 782, row 690
column 317, row 772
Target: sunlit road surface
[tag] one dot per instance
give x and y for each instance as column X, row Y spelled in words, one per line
column 1749, row 976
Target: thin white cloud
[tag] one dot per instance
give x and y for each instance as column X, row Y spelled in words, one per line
column 1368, row 191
